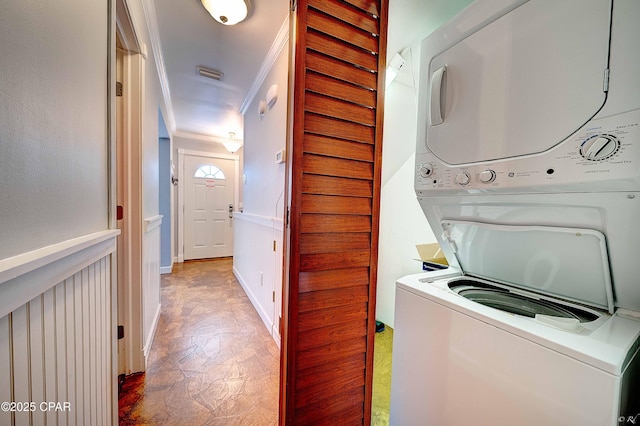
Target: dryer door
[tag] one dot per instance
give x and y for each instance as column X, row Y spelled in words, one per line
column 519, row 85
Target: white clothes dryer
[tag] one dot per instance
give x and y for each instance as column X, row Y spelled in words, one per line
column 528, row 172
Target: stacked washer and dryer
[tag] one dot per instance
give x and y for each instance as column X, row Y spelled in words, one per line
column 528, row 171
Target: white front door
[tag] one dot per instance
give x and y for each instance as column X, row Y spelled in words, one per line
column 208, row 207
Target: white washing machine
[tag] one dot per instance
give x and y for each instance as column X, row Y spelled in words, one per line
column 528, row 171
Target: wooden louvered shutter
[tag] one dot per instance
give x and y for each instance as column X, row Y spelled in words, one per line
column 334, row 194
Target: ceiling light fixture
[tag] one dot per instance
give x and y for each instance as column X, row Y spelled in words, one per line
column 232, row 144
column 227, row 12
column 209, row 73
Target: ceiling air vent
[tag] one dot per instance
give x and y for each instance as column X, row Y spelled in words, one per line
column 209, row 73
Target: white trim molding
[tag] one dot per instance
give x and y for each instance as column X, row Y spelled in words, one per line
column 267, row 221
column 149, row 10
column 152, row 222
column 152, row 334
column 27, row 275
column 278, row 44
column 199, row 137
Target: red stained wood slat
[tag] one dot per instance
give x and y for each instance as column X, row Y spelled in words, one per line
column 332, row 127
column 328, row 185
column 332, row 298
column 332, row 243
column 327, row 317
column 332, row 280
column 369, row 6
column 342, row 31
column 326, row 261
column 318, row 356
column 346, row 330
column 322, row 375
column 344, row 11
column 330, row 147
column 330, row 166
column 336, row 205
column 325, row 223
column 341, row 70
column 343, row 51
column 327, row 411
column 340, row 90
column 331, row 107
column 334, row 385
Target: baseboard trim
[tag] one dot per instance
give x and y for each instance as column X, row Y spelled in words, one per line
column 254, row 300
column 147, row 346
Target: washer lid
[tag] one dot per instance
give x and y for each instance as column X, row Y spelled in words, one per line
column 571, row 263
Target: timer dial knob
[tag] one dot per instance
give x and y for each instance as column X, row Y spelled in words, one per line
column 599, row 147
column 487, row 176
column 463, row 179
column 426, row 170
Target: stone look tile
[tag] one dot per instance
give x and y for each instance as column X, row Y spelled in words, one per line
column 213, row 361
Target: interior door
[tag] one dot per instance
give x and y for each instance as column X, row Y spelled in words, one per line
column 521, row 84
column 333, row 193
column 208, row 207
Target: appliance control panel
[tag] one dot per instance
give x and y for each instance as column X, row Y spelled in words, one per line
column 603, row 155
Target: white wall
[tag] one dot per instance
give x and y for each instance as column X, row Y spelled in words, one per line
column 256, row 265
column 57, row 294
column 53, row 108
column 402, row 223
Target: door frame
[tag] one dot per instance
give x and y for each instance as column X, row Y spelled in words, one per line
column 181, row 173
column 128, row 169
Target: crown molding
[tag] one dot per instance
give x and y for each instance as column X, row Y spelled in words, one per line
column 199, row 137
column 149, row 11
column 278, row 44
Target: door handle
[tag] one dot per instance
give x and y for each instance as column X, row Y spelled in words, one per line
column 438, row 95
column 230, row 211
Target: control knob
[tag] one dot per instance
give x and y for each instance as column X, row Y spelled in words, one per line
column 599, row 147
column 426, row 170
column 487, row 176
column 463, row 179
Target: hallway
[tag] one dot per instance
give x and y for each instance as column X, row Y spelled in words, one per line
column 212, row 362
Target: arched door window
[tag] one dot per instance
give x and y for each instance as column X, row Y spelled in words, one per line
column 209, row 171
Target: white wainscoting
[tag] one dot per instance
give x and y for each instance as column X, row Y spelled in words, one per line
column 258, row 267
column 151, row 281
column 57, row 333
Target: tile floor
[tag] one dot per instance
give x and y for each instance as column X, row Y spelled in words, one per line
column 213, row 361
